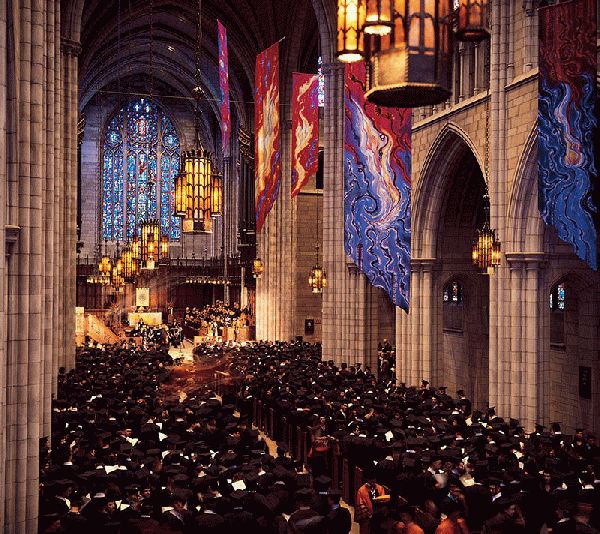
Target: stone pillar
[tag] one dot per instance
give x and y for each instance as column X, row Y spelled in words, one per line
column 70, row 51
column 525, row 381
column 4, row 247
column 274, row 247
column 416, row 332
column 348, row 300
column 58, row 220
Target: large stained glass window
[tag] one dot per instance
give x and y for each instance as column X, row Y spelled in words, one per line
column 139, row 163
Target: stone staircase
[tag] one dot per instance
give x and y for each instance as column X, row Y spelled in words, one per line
column 97, row 330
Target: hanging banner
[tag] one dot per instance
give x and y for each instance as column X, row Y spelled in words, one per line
column 567, row 124
column 305, row 129
column 377, row 187
column 224, row 86
column 267, row 139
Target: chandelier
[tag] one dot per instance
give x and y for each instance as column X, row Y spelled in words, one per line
column 100, row 280
column 258, row 268
column 216, row 195
column 149, row 245
column 486, row 247
column 407, row 46
column 197, row 168
column 130, row 264
column 117, row 281
column 317, row 279
column 472, row 20
column 105, row 265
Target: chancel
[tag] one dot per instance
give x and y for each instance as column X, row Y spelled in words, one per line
column 322, row 266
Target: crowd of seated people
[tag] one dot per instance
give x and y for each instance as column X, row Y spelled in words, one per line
column 212, row 320
column 123, row 460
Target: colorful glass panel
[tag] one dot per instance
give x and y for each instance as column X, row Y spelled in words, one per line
column 140, row 160
column 321, row 90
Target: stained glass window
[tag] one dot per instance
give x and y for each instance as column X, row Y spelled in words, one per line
column 321, row 82
column 557, row 297
column 139, row 163
column 453, row 293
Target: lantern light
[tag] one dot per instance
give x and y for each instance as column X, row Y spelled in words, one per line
column 317, row 280
column 197, row 166
column 412, row 67
column 472, row 20
column 379, row 17
column 351, row 16
column 149, row 251
column 180, row 188
column 164, row 248
column 258, row 268
column 216, row 195
column 486, row 251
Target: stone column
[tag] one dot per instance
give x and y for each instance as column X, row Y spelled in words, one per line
column 348, row 300
column 70, row 51
column 416, row 332
column 58, row 220
column 4, row 248
column 25, row 355
column 274, row 247
column 49, row 172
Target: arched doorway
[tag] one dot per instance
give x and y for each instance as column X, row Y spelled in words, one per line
column 446, row 343
column 463, row 320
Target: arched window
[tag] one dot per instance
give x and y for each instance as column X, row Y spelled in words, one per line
column 557, row 297
column 139, row 162
column 557, row 315
column 453, row 293
column 453, row 313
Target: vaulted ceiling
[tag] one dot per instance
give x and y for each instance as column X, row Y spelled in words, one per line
column 130, row 45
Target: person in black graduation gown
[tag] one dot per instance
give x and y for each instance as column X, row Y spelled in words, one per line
column 338, row 519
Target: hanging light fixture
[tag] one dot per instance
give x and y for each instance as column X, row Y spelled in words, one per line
column 486, row 251
column 149, row 245
column 105, row 263
column 486, row 247
column 180, row 204
column 351, row 16
column 130, row 268
column 412, row 66
column 472, row 20
column 379, row 17
column 197, row 166
column 258, row 268
column 216, row 195
column 164, row 248
column 317, row 279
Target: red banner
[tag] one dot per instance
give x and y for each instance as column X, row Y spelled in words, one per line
column 267, row 147
column 224, row 86
column 305, row 129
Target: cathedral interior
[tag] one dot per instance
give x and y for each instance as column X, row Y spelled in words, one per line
column 256, row 232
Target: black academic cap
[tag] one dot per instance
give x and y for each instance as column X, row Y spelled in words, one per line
column 322, row 483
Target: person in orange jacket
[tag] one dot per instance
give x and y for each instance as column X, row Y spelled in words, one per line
column 407, row 524
column 365, row 496
column 454, row 522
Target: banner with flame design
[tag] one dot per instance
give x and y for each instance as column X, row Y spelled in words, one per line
column 267, row 139
column 224, row 87
column 567, row 124
column 377, row 188
column 305, row 129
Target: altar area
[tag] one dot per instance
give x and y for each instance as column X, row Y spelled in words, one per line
column 148, row 318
